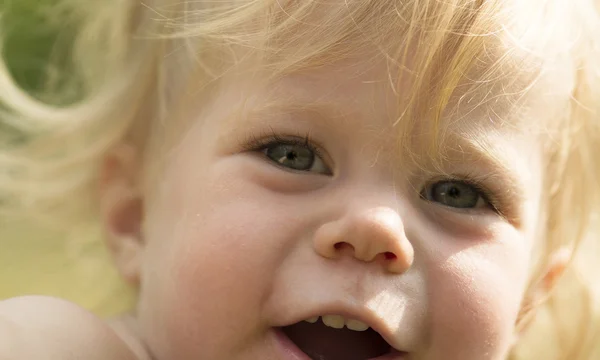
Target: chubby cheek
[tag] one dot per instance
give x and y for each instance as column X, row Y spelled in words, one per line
column 475, row 293
column 211, row 260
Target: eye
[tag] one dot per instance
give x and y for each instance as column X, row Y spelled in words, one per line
column 456, row 194
column 296, row 155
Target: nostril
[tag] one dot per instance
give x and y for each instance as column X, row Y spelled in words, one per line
column 390, row 255
column 343, row 247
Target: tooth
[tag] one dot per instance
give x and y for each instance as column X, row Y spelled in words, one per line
column 356, row 325
column 334, row 321
column 312, row 320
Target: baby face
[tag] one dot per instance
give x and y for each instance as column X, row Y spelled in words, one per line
column 290, row 200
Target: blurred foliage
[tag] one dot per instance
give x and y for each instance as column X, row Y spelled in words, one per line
column 37, row 39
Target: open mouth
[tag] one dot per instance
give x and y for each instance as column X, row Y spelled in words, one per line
column 333, row 337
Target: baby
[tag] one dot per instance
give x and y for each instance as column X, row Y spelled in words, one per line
column 333, row 180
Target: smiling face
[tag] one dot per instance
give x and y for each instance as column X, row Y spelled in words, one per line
column 325, row 194
column 291, row 199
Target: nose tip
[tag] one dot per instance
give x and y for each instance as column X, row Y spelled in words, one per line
column 373, row 235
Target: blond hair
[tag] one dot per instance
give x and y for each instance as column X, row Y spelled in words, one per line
column 125, row 57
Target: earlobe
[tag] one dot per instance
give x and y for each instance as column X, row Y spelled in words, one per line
column 128, row 259
column 121, row 206
column 558, row 262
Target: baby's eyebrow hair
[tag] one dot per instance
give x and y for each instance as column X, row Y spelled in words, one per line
column 326, row 113
column 495, row 158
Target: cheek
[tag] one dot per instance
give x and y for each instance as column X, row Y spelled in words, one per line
column 211, row 259
column 227, row 248
column 475, row 296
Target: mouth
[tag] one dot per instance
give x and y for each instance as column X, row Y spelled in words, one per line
column 333, row 337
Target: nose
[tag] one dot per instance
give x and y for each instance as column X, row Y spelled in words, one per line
column 369, row 235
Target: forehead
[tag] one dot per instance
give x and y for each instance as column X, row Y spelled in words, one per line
column 466, row 52
column 370, row 92
column 412, row 76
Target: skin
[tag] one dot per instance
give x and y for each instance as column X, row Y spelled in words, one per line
column 226, row 245
column 36, row 327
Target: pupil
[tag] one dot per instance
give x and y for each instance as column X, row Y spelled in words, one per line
column 291, row 155
column 454, row 192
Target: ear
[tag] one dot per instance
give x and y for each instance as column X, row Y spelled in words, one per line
column 540, row 292
column 122, row 210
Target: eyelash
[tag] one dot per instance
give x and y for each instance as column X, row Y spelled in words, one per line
column 257, row 143
column 490, row 197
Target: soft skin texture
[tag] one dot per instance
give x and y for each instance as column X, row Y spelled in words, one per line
column 36, row 327
column 231, row 245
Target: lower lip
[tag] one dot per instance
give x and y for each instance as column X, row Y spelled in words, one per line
column 288, row 348
column 292, row 352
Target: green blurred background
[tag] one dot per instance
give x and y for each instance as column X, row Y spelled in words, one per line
column 38, row 258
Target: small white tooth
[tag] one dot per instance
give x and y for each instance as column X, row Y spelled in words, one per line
column 356, row 325
column 312, row 320
column 334, row 321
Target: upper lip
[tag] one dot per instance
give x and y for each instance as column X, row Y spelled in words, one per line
column 359, row 313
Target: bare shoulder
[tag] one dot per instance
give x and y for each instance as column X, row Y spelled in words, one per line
column 37, row 327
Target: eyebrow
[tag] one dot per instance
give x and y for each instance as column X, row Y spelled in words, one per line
column 496, row 159
column 324, row 113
